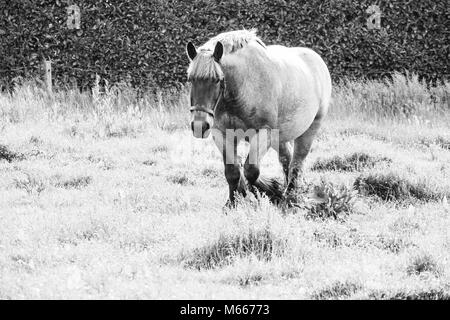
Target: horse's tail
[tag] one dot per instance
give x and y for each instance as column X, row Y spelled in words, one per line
column 270, row 187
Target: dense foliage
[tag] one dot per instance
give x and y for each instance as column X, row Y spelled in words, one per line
column 143, row 42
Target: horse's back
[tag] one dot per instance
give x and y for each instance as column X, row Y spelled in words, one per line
column 311, row 66
column 320, row 73
column 306, row 88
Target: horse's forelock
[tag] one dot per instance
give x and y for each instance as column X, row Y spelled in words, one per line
column 205, row 67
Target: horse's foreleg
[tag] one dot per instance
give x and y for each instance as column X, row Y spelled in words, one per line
column 233, row 167
column 236, row 182
column 259, row 145
column 302, row 146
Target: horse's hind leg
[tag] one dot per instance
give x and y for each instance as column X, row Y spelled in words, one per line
column 259, row 145
column 285, row 157
column 302, row 146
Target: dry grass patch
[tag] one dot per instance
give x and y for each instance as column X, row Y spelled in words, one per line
column 212, row 173
column 440, row 141
column 77, row 182
column 150, row 163
column 393, row 244
column 9, row 155
column 432, row 294
column 262, row 244
column 424, row 263
column 354, row 162
column 32, row 183
column 338, row 290
column 181, row 179
column 391, row 186
column 159, row 148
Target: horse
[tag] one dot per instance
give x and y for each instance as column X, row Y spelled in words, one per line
column 271, row 95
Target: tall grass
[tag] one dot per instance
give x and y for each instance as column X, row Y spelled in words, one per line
column 402, row 98
column 114, row 110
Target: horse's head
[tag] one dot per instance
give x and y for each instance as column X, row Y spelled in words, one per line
column 207, row 79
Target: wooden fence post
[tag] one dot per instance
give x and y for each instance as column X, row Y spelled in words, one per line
column 48, row 76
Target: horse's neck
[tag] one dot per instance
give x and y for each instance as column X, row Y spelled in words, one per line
column 235, row 104
column 233, row 95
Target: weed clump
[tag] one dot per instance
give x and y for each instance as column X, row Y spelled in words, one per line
column 391, row 186
column 327, row 201
column 353, row 162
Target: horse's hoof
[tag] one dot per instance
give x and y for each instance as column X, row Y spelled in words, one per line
column 228, row 205
column 290, row 199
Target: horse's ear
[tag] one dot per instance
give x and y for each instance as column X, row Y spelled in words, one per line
column 218, row 51
column 191, row 51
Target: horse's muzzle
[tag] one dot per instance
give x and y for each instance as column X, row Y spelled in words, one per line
column 201, row 124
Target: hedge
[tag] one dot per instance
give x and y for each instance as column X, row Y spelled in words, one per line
column 143, row 42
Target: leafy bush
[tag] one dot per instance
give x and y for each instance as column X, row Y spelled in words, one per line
column 325, row 201
column 143, row 42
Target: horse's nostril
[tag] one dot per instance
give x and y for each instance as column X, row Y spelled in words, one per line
column 192, row 125
column 205, row 127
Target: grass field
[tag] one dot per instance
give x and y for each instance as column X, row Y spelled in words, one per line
column 108, row 195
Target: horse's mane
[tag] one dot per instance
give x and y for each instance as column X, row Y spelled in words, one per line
column 232, row 40
column 204, row 67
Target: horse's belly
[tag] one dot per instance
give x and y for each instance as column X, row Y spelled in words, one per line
column 297, row 110
column 294, row 125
